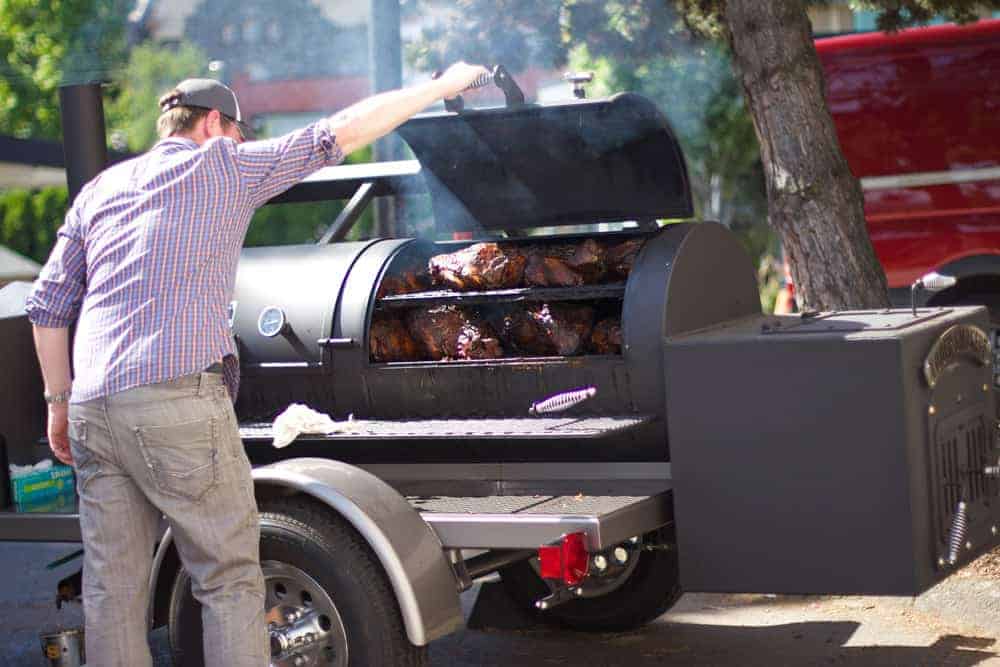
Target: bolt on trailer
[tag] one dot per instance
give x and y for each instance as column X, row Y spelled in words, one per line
column 581, row 410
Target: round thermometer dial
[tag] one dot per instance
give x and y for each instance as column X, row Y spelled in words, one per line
column 271, row 322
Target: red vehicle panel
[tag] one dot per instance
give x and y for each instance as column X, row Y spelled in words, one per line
column 918, row 116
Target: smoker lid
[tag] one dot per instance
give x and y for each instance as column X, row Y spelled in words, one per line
column 532, row 165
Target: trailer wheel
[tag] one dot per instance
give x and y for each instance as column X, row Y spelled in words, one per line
column 321, row 577
column 650, row 589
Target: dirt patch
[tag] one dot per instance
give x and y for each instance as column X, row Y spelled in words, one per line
column 987, row 565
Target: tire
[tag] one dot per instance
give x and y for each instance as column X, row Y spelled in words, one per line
column 989, row 299
column 306, row 549
column 648, row 592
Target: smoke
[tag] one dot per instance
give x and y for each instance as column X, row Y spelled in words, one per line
column 95, row 31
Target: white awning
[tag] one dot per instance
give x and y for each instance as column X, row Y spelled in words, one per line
column 14, row 266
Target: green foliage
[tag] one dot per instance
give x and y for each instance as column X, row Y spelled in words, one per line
column 46, row 43
column 705, row 17
column 151, row 71
column 29, row 220
column 896, row 14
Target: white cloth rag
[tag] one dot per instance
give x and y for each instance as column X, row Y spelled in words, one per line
column 21, row 471
column 298, row 418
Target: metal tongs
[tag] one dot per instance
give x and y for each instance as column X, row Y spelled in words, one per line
column 497, row 74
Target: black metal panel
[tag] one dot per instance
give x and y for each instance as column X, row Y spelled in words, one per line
column 668, row 293
column 810, row 462
column 531, row 166
column 23, row 415
column 342, row 181
column 39, row 526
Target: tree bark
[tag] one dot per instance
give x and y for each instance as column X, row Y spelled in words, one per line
column 814, row 201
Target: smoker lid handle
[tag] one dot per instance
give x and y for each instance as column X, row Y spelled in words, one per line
column 563, row 401
column 498, row 74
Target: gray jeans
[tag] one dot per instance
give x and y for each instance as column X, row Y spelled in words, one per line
column 173, row 450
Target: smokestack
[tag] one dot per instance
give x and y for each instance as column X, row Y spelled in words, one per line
column 84, row 140
column 385, row 58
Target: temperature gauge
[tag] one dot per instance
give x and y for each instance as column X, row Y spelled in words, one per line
column 271, row 322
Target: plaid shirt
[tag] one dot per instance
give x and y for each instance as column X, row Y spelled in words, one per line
column 147, row 256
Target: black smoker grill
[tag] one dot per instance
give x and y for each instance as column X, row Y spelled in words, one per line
column 807, row 454
column 498, row 173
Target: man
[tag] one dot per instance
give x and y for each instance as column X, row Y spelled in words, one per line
column 147, row 259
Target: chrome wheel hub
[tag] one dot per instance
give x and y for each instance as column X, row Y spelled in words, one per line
column 303, row 623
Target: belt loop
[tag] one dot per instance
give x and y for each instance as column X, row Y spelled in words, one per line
column 208, row 377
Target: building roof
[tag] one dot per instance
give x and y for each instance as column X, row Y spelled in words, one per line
column 36, row 163
column 14, row 266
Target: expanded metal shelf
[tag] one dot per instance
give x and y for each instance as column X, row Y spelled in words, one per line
column 528, row 428
column 515, row 295
column 525, row 522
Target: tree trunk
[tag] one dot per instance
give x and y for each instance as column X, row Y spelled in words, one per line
column 814, row 201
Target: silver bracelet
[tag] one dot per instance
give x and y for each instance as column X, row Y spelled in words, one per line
column 61, row 397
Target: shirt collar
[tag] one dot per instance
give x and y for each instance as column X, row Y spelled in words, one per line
column 175, row 143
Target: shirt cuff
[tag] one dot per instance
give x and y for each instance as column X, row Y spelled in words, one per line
column 44, row 318
column 332, row 152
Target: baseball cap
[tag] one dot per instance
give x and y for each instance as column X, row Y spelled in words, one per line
column 209, row 94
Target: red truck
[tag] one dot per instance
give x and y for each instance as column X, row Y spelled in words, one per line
column 918, row 117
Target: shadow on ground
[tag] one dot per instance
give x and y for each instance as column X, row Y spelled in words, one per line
column 812, row 643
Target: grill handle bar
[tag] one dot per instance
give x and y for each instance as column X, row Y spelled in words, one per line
column 498, row 74
column 563, row 401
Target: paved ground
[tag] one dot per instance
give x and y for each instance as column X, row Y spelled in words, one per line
column 957, row 623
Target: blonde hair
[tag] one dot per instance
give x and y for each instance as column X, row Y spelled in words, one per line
column 180, row 119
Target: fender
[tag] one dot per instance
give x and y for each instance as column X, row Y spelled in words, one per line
column 963, row 268
column 408, row 549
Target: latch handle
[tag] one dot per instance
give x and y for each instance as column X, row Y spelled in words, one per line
column 336, row 343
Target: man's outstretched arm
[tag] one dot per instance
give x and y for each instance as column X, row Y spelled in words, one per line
column 268, row 168
column 363, row 122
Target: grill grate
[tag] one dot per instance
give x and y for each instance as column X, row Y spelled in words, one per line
column 537, row 428
column 443, row 297
column 961, row 449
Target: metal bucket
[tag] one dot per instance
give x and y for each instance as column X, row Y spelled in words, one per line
column 63, row 648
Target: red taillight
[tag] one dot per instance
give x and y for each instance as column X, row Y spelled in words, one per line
column 567, row 561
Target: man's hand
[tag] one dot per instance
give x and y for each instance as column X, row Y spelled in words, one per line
column 460, row 76
column 59, row 432
column 363, row 122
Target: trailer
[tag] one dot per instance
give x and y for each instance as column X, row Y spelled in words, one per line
column 600, row 476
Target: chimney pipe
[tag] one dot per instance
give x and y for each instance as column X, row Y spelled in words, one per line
column 386, row 66
column 84, row 139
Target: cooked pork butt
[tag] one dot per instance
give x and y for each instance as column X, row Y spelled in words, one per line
column 447, row 332
column 543, row 329
column 621, row 256
column 606, row 338
column 389, row 340
column 482, row 266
